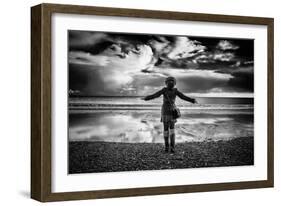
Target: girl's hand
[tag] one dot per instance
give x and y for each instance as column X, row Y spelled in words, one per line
column 195, row 101
column 142, row 98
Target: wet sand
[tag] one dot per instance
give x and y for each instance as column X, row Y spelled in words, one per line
column 91, row 157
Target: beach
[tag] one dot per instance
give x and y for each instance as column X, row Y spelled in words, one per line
column 125, row 134
column 95, row 156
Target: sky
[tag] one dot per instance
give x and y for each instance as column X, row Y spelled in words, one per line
column 121, row 64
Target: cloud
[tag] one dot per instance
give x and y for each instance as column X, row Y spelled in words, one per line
column 87, row 58
column 184, row 47
column 182, row 73
column 204, row 58
column 85, row 38
column 222, row 52
column 136, row 64
column 165, row 49
column 160, row 45
column 101, row 74
column 201, row 83
column 223, row 56
column 133, row 62
column 192, row 80
column 89, row 42
column 216, row 58
column 226, row 45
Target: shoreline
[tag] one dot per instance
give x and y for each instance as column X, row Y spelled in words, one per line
column 92, row 157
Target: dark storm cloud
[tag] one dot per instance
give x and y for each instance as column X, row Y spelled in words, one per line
column 89, row 42
column 133, row 64
column 245, row 47
column 96, row 42
column 84, row 79
column 243, row 80
column 163, row 47
column 200, row 84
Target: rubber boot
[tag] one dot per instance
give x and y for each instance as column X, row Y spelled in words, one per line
column 172, row 140
column 166, row 139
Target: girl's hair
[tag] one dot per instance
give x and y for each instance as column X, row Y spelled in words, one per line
column 170, row 78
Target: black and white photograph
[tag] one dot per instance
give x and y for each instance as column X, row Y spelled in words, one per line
column 141, row 102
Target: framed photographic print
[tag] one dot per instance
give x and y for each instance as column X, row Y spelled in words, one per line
column 130, row 102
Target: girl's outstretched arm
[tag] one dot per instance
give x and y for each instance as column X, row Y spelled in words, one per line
column 155, row 95
column 186, row 98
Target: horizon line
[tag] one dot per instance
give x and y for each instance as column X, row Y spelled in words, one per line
column 206, row 95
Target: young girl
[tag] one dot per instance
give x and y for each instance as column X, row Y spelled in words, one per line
column 169, row 96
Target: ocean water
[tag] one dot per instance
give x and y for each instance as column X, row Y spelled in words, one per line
column 132, row 120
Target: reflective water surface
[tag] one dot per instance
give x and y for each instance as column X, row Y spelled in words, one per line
column 134, row 126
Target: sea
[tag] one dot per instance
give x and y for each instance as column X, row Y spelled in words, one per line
column 132, row 120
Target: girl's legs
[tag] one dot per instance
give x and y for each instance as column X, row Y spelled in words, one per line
column 166, row 136
column 172, row 137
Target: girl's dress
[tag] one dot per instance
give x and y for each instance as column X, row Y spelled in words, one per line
column 167, row 108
